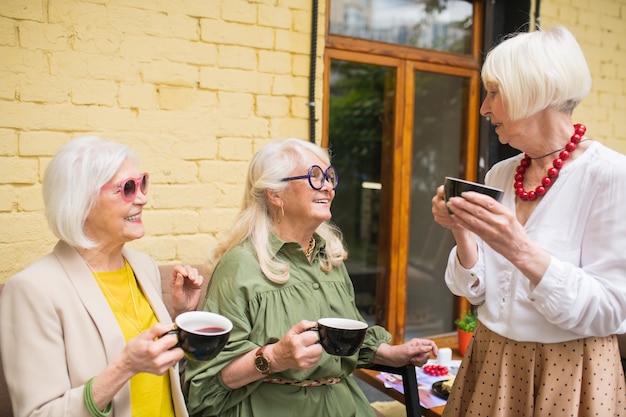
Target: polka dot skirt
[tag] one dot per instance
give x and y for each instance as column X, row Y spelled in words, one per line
column 502, row 377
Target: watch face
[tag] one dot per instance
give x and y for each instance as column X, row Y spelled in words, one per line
column 262, row 364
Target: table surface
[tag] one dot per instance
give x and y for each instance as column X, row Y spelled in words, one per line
column 370, row 376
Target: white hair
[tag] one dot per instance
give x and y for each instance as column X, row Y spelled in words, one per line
column 72, row 183
column 536, row 70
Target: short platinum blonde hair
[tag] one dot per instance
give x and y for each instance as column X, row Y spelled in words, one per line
column 536, row 70
column 266, row 170
column 72, row 182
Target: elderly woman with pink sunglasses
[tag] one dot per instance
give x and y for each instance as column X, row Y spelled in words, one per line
column 80, row 329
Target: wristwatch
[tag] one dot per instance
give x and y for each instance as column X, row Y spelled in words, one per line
column 261, row 362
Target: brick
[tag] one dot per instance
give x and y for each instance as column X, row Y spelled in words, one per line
column 9, row 85
column 272, row 106
column 44, row 36
column 289, row 127
column 138, row 95
column 140, row 48
column 291, row 41
column 193, row 249
column 300, row 107
column 236, row 34
column 9, row 198
column 8, row 142
column 8, row 32
column 289, row 85
column 160, row 248
column 168, row 222
column 238, row 11
column 235, row 149
column 275, row 16
column 235, row 80
column 38, row 143
column 191, row 196
column 23, row 227
column 30, row 199
column 18, row 171
column 170, row 73
column 233, row 104
column 93, row 92
column 23, row 10
column 217, row 220
column 45, row 89
column 21, row 61
column 243, row 58
column 233, row 172
column 274, row 62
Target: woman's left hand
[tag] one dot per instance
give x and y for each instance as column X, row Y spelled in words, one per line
column 414, row 352
column 498, row 226
column 186, row 285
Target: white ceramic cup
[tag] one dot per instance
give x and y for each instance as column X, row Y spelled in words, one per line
column 444, row 356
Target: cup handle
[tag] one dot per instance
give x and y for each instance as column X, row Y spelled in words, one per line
column 315, row 329
column 176, row 331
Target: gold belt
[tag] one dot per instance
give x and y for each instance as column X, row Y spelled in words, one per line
column 304, row 383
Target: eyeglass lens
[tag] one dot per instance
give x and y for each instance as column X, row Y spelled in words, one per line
column 130, row 187
column 317, row 177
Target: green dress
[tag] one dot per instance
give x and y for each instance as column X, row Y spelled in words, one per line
column 262, row 311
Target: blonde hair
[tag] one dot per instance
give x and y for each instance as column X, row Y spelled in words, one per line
column 268, row 167
column 536, row 70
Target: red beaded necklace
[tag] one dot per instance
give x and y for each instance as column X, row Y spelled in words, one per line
column 553, row 172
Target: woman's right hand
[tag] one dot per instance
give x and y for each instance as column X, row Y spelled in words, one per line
column 152, row 352
column 297, row 349
column 148, row 352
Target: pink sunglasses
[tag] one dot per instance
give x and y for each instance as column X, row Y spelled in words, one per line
column 128, row 188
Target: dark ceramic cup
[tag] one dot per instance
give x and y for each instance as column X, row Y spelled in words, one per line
column 201, row 334
column 454, row 187
column 341, row 337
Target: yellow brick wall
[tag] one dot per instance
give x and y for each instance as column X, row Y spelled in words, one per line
column 600, row 27
column 195, row 87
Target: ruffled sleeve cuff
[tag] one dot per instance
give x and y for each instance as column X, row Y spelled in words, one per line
column 376, row 335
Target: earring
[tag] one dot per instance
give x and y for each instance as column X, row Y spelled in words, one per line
column 282, row 209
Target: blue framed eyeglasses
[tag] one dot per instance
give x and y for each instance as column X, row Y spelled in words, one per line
column 317, row 176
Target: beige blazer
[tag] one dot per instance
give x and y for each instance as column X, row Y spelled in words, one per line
column 57, row 331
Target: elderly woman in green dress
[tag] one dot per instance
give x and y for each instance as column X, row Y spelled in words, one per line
column 278, row 270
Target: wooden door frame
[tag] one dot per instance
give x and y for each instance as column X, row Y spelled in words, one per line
column 391, row 288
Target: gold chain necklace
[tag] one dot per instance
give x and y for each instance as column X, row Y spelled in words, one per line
column 135, row 323
column 309, row 251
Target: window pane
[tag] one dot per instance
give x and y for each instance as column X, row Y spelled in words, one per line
column 443, row 25
column 438, row 137
column 359, row 108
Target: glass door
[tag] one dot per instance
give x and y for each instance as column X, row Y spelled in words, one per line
column 361, row 121
column 439, row 139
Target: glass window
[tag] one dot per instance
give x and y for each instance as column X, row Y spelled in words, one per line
column 439, row 135
column 442, row 25
column 359, row 108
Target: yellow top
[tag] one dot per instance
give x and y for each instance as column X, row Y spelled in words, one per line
column 150, row 394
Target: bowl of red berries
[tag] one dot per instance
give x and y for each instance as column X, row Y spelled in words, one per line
column 435, row 370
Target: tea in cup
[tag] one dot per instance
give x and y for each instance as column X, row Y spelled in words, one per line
column 201, row 334
column 341, row 337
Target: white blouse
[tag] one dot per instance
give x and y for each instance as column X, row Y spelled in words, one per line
column 581, row 223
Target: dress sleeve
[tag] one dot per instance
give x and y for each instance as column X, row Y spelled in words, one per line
column 461, row 281
column 203, row 386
